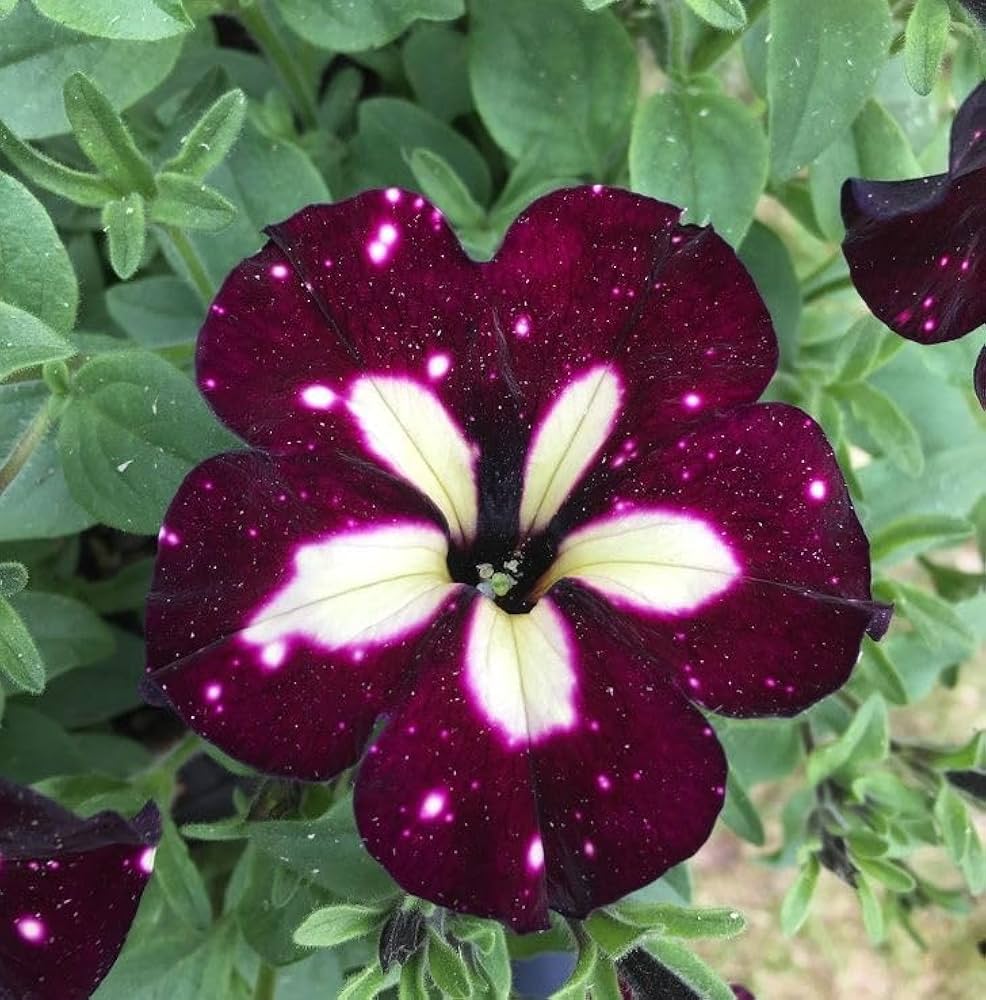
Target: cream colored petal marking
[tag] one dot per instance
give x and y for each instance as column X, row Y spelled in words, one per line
column 407, row 427
column 357, row 588
column 656, row 560
column 520, row 669
column 566, row 443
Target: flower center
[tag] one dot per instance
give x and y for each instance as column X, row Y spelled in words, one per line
column 504, row 574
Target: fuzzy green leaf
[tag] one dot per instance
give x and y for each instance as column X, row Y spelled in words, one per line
column 211, row 138
column 126, row 230
column 189, row 204
column 925, row 43
column 20, row 661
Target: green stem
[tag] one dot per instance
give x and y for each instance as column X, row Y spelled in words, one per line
column 33, row 435
column 193, row 263
column 266, row 983
column 256, row 22
column 182, row 752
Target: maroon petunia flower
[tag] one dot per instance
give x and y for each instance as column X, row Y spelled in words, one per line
column 69, row 889
column 742, row 993
column 521, row 511
column 916, row 248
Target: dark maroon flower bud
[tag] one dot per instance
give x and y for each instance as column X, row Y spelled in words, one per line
column 69, row 889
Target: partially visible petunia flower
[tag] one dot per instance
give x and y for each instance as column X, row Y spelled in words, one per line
column 917, row 249
column 69, row 890
column 742, row 993
column 519, row 512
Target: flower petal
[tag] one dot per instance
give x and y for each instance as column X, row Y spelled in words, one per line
column 289, row 590
column 754, row 582
column 70, row 889
column 376, row 291
column 536, row 764
column 968, row 145
column 979, row 377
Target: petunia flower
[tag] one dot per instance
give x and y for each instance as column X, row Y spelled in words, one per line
column 69, row 890
column 916, row 248
column 516, row 513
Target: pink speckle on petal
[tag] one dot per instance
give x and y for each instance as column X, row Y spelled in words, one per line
column 433, row 804
column 209, row 383
column 218, row 309
column 438, row 365
column 387, row 234
column 146, row 861
column 393, row 195
column 692, row 400
column 279, row 271
column 817, row 489
column 603, row 782
column 317, row 397
column 590, row 849
column 535, row 855
column 377, row 252
column 929, row 325
column 30, row 929
column 272, row 655
column 522, row 326
column 944, row 261
column 213, row 692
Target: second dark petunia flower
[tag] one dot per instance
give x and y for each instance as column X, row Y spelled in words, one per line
column 916, row 248
column 522, row 513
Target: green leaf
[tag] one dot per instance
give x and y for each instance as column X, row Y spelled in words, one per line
column 35, row 271
column 177, row 875
column 126, row 230
column 730, row 15
column 892, row 875
column 925, row 43
column 32, row 747
column 342, row 26
column 953, row 822
column 13, row 578
column 37, row 55
column 334, row 925
column 447, row 968
column 866, row 739
column 140, row 20
column 884, row 150
column 106, row 141
column 766, row 257
column 605, row 985
column 873, row 918
column 37, row 503
column 367, row 984
column 860, row 350
column 441, row 184
column 797, row 900
column 936, row 620
column 703, row 151
column 553, row 74
column 740, row 814
column 670, row 920
column 894, row 434
column 189, row 204
column 391, row 129
column 132, row 429
column 160, row 311
column 25, row 341
column 76, row 185
column 435, row 64
column 908, row 536
column 691, row 970
column 877, row 667
column 212, row 137
column 68, row 634
column 20, row 662
column 822, row 63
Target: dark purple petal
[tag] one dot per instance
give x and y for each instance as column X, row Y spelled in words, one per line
column 757, row 500
column 742, row 993
column 276, row 694
column 915, row 252
column 601, row 778
column 378, row 287
column 979, row 377
column 968, row 148
column 69, row 889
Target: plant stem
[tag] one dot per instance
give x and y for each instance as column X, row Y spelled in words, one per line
column 275, row 48
column 193, row 263
column 24, row 449
column 266, row 983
